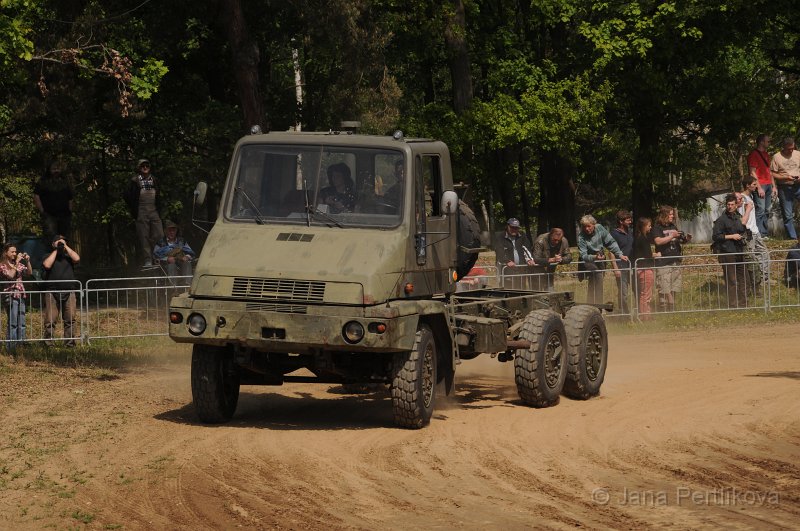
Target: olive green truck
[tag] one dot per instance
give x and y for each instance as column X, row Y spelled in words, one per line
column 335, row 258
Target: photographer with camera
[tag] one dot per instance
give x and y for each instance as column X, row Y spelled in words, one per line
column 728, row 236
column 13, row 266
column 668, row 241
column 60, row 265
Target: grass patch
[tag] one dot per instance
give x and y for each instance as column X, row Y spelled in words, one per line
column 160, row 463
column 105, row 356
column 83, row 517
column 703, row 320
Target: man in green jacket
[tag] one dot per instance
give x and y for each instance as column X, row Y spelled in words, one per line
column 593, row 239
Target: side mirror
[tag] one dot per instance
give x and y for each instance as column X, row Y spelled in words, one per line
column 449, row 202
column 200, row 193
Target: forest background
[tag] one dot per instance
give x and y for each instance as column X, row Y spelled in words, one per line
column 551, row 108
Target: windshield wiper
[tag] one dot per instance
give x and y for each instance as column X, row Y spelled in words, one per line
column 308, row 204
column 259, row 217
column 324, row 215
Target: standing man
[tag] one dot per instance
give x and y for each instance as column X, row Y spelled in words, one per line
column 60, row 265
column 623, row 235
column 728, row 235
column 758, row 161
column 592, row 240
column 549, row 250
column 52, row 196
column 785, row 168
column 668, row 241
column 142, row 199
column 757, row 253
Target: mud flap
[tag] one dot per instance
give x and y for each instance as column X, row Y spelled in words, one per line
column 449, row 379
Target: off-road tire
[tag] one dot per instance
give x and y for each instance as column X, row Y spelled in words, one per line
column 540, row 371
column 587, row 352
column 215, row 383
column 414, row 381
column 468, row 237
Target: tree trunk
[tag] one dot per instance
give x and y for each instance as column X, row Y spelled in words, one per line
column 246, row 57
column 557, row 193
column 645, row 173
column 455, row 38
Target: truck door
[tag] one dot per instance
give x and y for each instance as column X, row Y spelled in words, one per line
column 435, row 253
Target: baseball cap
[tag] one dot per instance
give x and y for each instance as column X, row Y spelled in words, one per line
column 170, row 224
column 142, row 161
column 513, row 222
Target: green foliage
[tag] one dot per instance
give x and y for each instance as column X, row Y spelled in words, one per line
column 645, row 101
column 146, row 81
column 15, row 32
column 17, row 213
column 531, row 107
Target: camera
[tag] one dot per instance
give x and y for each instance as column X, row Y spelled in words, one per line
column 60, row 246
column 683, row 237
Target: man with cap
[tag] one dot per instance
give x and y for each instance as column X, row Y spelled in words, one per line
column 173, row 252
column 60, row 265
column 142, row 199
column 513, row 251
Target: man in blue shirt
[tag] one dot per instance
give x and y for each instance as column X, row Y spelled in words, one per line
column 173, row 252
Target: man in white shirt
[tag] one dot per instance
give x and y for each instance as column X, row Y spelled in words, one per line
column 785, row 168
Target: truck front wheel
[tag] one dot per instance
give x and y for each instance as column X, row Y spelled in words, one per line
column 215, row 383
column 588, row 352
column 414, row 381
column 540, row 371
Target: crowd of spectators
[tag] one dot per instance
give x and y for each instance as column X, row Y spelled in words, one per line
column 158, row 246
column 651, row 253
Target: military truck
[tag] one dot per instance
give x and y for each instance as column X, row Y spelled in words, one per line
column 335, row 258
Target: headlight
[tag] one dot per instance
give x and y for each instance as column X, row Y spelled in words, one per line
column 196, row 324
column 353, row 332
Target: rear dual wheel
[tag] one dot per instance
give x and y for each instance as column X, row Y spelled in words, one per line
column 588, row 352
column 540, row 371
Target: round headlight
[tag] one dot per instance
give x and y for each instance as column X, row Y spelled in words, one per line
column 353, row 332
column 196, row 324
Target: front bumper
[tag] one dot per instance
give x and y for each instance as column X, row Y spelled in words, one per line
column 318, row 329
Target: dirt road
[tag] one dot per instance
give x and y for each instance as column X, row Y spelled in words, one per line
column 692, row 430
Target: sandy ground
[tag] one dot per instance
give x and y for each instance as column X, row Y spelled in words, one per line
column 692, row 430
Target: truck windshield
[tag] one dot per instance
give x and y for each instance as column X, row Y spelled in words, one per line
column 318, row 184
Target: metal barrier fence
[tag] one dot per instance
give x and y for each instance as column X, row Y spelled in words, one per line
column 124, row 307
column 702, row 285
column 138, row 306
column 105, row 308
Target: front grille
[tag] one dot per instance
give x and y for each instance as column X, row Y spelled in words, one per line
column 278, row 289
column 281, row 308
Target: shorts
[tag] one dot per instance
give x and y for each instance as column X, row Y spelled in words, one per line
column 668, row 278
